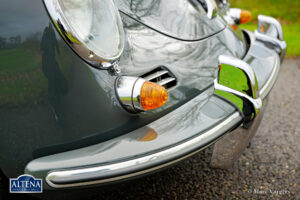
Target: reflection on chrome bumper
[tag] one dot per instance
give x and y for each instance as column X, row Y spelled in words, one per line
column 100, row 174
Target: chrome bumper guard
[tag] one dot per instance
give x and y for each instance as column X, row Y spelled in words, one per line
column 269, row 31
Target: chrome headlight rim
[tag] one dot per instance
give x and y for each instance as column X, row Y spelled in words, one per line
column 60, row 22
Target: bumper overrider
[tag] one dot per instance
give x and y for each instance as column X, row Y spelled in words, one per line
column 239, row 100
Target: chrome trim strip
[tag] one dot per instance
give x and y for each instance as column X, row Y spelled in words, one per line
column 135, row 96
column 165, row 81
column 265, row 90
column 80, row 177
column 156, row 75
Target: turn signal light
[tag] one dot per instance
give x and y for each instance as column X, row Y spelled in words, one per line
column 245, row 16
column 152, row 96
column 138, row 95
column 237, row 16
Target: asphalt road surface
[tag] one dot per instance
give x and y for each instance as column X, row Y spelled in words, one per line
column 269, row 169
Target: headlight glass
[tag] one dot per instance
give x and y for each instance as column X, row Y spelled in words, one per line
column 93, row 28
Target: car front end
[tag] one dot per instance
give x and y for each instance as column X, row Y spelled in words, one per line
column 79, row 121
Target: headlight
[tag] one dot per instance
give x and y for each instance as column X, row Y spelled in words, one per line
column 92, row 28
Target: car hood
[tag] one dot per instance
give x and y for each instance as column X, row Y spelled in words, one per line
column 175, row 18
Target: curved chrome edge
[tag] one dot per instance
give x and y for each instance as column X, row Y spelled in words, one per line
column 142, row 165
column 273, row 35
column 135, row 96
column 257, row 103
column 265, row 90
column 124, row 87
column 271, row 20
column 128, row 89
column 229, row 60
column 233, row 16
column 265, row 38
column 251, row 101
column 211, row 9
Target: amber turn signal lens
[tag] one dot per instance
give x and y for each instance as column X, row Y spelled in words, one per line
column 152, row 96
column 245, row 16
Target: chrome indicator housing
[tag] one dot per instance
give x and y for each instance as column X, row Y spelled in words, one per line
column 137, row 94
column 128, row 90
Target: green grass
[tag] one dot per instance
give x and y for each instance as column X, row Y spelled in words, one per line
column 21, row 76
column 13, row 58
column 287, row 12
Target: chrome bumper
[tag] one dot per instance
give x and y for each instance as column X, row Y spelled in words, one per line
column 82, row 167
column 142, row 165
column 99, row 164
